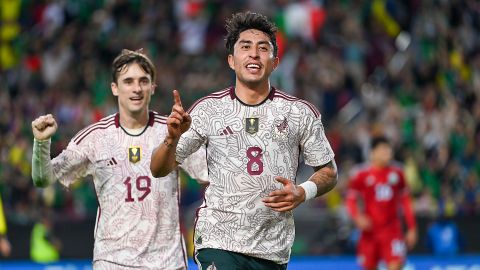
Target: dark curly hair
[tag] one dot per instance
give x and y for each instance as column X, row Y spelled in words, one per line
column 127, row 57
column 377, row 140
column 242, row 21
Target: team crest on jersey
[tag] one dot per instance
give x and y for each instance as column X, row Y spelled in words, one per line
column 251, row 125
column 134, row 154
column 392, row 178
column 280, row 128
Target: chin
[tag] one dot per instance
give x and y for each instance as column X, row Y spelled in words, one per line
column 137, row 110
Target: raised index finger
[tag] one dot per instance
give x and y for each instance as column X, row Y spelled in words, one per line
column 176, row 98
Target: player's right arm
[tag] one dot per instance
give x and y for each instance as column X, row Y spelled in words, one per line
column 43, row 129
column 163, row 157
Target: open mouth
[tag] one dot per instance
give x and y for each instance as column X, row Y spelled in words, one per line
column 254, row 68
column 136, row 99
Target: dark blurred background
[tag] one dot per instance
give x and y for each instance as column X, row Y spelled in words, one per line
column 407, row 69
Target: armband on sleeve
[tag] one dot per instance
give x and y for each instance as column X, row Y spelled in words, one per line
column 42, row 172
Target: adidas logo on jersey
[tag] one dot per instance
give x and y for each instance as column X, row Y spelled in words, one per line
column 111, row 162
column 226, row 131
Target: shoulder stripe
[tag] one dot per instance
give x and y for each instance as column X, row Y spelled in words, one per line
column 80, row 138
column 312, row 107
column 216, row 95
column 160, row 121
column 161, row 117
column 103, row 121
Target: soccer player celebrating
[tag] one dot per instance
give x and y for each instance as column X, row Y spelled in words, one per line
column 254, row 136
column 382, row 189
column 138, row 216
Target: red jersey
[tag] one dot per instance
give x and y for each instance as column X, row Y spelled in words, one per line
column 383, row 192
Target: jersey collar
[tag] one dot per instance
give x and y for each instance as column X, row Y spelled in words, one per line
column 151, row 119
column 270, row 95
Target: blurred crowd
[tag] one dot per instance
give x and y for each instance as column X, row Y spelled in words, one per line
column 406, row 69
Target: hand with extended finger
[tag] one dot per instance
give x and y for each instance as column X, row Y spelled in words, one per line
column 178, row 122
column 285, row 199
column 44, row 127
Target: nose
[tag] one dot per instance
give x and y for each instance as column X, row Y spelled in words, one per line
column 254, row 52
column 138, row 87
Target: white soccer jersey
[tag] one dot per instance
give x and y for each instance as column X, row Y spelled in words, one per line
column 247, row 146
column 138, row 218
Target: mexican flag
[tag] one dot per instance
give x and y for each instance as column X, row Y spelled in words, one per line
column 302, row 19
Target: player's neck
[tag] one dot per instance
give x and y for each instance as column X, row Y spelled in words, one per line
column 252, row 94
column 134, row 121
column 379, row 166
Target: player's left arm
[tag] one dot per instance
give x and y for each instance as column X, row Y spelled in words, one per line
column 325, row 179
column 322, row 181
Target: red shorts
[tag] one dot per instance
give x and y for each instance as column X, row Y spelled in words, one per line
column 373, row 248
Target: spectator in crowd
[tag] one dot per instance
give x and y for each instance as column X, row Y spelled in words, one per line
column 5, row 247
column 45, row 247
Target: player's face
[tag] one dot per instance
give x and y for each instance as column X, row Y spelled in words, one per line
column 134, row 88
column 252, row 58
column 382, row 154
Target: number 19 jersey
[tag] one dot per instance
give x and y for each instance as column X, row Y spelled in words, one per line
column 247, row 147
column 138, row 217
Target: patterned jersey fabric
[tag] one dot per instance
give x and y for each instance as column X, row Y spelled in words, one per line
column 138, row 217
column 247, row 146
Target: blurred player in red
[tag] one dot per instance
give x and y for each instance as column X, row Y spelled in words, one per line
column 381, row 189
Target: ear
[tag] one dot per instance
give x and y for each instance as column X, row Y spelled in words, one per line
column 276, row 62
column 114, row 88
column 231, row 61
column 154, row 86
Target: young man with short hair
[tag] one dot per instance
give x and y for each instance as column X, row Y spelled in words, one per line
column 255, row 136
column 138, row 217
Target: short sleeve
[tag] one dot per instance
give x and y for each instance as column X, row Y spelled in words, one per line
column 196, row 165
column 193, row 139
column 314, row 144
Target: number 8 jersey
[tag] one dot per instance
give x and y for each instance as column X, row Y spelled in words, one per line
column 247, row 146
column 138, row 217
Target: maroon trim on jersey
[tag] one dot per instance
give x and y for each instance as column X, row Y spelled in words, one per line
column 270, row 96
column 100, row 125
column 185, row 259
column 91, row 130
column 162, row 119
column 117, row 120
column 272, row 93
column 231, row 91
column 196, row 217
column 216, row 95
column 286, row 96
column 102, row 121
column 151, row 118
column 99, row 213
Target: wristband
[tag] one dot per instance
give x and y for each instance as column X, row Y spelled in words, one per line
column 167, row 144
column 310, row 189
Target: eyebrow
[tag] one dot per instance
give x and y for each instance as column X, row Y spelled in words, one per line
column 140, row 78
column 250, row 42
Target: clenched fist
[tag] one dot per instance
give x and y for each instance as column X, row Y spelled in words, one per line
column 44, row 127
